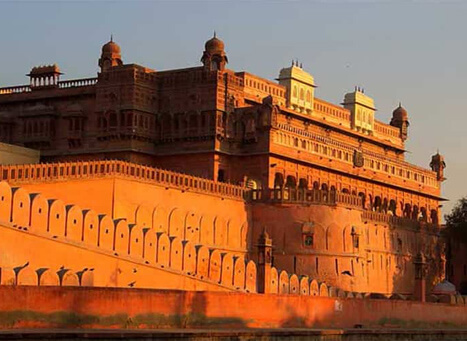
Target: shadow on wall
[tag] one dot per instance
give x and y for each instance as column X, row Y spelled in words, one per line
column 336, row 246
column 52, row 219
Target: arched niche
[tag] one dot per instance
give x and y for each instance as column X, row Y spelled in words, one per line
column 274, row 288
column 143, row 217
column 192, row 227
column 106, row 232
column 294, row 285
column 74, row 223
column 163, row 249
column 283, row 282
column 122, row 237
column 189, row 258
column 150, row 245
column 334, row 238
column 20, row 207
column 220, row 231
column 136, row 241
column 227, row 269
column 202, row 262
column 304, row 286
column 70, row 279
column 7, row 276
column 160, row 220
column 27, row 276
column 39, row 213
column 206, row 230
column 323, row 290
column 48, row 278
column 250, row 276
column 239, row 273
column 244, row 235
column 215, row 266
column 57, row 216
column 87, row 278
column 176, row 253
column 314, row 288
column 5, row 202
column 176, row 223
column 90, row 227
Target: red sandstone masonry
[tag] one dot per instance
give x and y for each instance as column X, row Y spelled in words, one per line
column 237, row 309
column 18, row 174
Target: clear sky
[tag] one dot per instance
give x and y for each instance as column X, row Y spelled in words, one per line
column 409, row 51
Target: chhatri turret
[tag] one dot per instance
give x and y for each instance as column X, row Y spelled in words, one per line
column 438, row 165
column 362, row 110
column 110, row 56
column 300, row 87
column 400, row 119
column 214, row 57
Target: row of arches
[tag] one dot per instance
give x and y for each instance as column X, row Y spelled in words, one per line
column 369, row 201
column 167, row 249
column 205, row 229
column 345, row 153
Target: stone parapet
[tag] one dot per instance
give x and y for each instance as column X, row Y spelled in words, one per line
column 52, row 172
column 305, row 196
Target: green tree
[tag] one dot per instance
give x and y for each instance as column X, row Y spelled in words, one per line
column 456, row 221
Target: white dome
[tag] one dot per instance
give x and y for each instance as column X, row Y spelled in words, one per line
column 444, row 288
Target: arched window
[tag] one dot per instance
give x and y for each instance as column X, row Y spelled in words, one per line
column 308, row 96
column 295, row 91
column 302, row 94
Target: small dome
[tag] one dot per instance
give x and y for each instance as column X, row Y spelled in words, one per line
column 111, row 47
column 400, row 112
column 214, row 45
column 444, row 288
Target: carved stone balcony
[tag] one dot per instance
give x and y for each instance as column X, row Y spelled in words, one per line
column 305, row 196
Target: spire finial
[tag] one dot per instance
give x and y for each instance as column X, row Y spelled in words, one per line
column 400, row 105
column 111, row 37
column 214, row 34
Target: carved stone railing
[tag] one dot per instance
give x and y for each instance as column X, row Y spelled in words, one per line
column 17, row 174
column 74, row 83
column 305, row 196
column 391, row 220
column 15, row 90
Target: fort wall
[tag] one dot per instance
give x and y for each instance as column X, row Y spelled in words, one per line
column 54, row 307
column 47, row 242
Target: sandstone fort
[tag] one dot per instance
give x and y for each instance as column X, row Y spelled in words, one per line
column 207, row 179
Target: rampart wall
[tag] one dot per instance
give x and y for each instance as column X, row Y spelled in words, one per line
column 193, row 209
column 54, row 307
column 47, row 242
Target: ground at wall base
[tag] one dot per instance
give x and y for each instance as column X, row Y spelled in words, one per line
column 239, row 334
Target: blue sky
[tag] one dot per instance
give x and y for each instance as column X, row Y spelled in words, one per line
column 409, row 51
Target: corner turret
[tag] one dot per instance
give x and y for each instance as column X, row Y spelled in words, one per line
column 438, row 165
column 110, row 56
column 214, row 57
column 400, row 119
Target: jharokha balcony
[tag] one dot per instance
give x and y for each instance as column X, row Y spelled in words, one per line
column 334, row 198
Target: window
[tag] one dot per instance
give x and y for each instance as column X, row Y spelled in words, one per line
column 308, row 240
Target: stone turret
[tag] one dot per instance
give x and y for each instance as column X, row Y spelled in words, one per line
column 214, row 57
column 362, row 109
column 44, row 76
column 110, row 56
column 300, row 87
column 400, row 119
column 264, row 262
column 437, row 164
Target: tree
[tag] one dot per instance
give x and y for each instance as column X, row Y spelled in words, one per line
column 456, row 222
